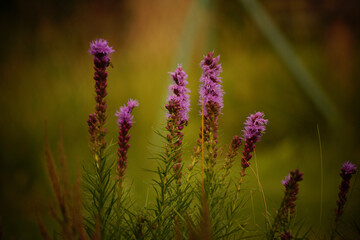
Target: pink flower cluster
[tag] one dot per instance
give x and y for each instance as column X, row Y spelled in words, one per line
column 211, row 92
column 179, row 94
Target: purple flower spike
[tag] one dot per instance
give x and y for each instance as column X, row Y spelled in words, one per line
column 101, row 52
column 101, row 49
column 125, row 123
column 255, row 126
column 291, row 190
column 211, row 91
column 178, row 107
column 287, row 207
column 179, row 93
column 124, row 113
column 211, row 102
column 347, row 170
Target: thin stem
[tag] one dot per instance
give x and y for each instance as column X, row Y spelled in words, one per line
column 202, row 150
column 262, row 193
column 321, row 177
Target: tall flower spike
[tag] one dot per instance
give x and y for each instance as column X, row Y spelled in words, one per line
column 180, row 93
column 291, row 190
column 211, row 102
column 101, row 52
column 100, row 194
column 347, row 170
column 287, row 207
column 255, row 126
column 125, row 122
column 178, row 106
column 211, row 92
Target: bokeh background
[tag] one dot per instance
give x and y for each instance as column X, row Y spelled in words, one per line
column 272, row 53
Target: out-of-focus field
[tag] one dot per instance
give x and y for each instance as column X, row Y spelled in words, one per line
column 46, row 80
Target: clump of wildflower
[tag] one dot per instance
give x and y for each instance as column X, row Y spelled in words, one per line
column 178, row 107
column 287, row 207
column 347, row 170
column 211, row 102
column 255, row 126
column 125, row 122
column 101, row 52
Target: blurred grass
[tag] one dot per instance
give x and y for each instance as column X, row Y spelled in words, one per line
column 46, row 76
column 300, row 73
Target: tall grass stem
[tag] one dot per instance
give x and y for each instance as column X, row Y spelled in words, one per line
column 321, row 177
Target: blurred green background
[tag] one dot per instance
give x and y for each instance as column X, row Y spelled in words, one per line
column 46, row 79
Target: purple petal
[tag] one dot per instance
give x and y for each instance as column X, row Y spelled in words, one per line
column 124, row 113
column 349, row 168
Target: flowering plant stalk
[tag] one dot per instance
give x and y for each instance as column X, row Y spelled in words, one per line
column 170, row 196
column 102, row 53
column 178, row 108
column 255, row 126
column 211, row 102
column 348, row 169
column 216, row 192
column 287, row 207
column 99, row 187
column 125, row 122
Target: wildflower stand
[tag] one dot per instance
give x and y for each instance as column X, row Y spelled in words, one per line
column 194, row 202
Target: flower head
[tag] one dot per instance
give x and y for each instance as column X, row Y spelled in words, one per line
column 132, row 104
column 124, row 113
column 101, row 49
column 179, row 92
column 286, row 181
column 255, row 126
column 211, row 89
column 349, row 168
